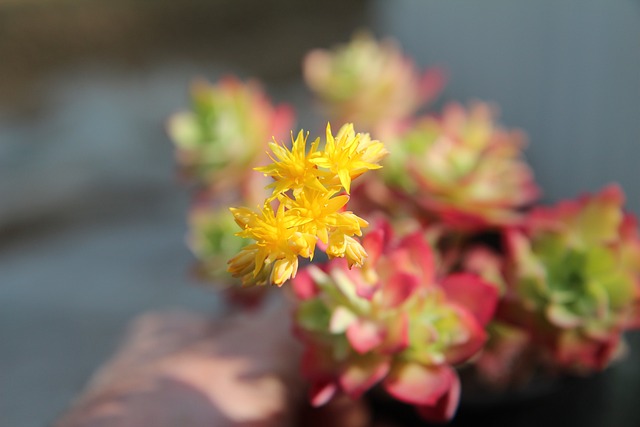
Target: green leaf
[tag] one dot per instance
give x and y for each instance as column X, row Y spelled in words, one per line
column 599, row 222
column 313, row 315
column 561, row 316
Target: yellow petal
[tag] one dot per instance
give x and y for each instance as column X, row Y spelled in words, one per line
column 345, row 179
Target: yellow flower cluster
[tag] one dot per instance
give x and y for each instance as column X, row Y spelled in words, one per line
column 306, row 205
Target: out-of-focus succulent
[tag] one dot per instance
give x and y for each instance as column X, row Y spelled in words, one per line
column 576, row 279
column 392, row 321
column 213, row 241
column 463, row 168
column 217, row 144
column 508, row 359
column 370, row 83
column 559, row 290
column 227, row 131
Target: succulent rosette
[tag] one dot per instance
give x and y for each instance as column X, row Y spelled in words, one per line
column 392, row 321
column 370, row 83
column 575, row 281
column 212, row 236
column 463, row 168
column 213, row 240
column 217, row 144
column 226, row 132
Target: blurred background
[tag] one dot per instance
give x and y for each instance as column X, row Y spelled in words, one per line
column 92, row 216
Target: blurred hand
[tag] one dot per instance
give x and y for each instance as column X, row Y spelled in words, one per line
column 184, row 370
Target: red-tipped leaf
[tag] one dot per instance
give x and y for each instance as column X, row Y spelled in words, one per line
column 471, row 292
column 418, row 384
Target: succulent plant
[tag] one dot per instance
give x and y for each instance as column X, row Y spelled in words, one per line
column 370, row 83
column 227, row 131
column 392, row 321
column 462, row 168
column 575, row 279
column 213, row 240
column 457, row 272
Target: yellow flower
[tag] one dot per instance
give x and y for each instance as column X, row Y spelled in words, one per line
column 293, row 169
column 307, row 188
column 373, row 151
column 277, row 241
column 351, row 224
column 316, row 212
column 244, row 262
column 347, row 157
column 343, row 246
column 283, row 270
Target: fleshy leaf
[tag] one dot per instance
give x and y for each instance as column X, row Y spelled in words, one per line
column 421, row 254
column 341, row 319
column 364, row 335
column 573, row 350
column 601, row 216
column 473, row 293
column 418, row 384
column 366, row 289
column 397, row 337
column 476, row 337
column 313, row 315
column 373, row 243
column 562, row 317
column 398, row 288
column 304, row 286
column 321, row 392
column 359, row 376
column 446, row 407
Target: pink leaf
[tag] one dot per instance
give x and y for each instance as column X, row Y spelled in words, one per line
column 303, row 285
column 373, row 243
column 364, row 335
column 611, row 194
column 420, row 254
column 377, row 241
column 446, row 407
column 397, row 338
column 360, row 376
column 321, row 392
column 575, row 350
column 473, row 293
column 515, row 243
column 453, row 217
column 431, row 83
column 477, row 336
column 365, row 289
column 398, row 288
column 341, row 318
column 418, row 384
